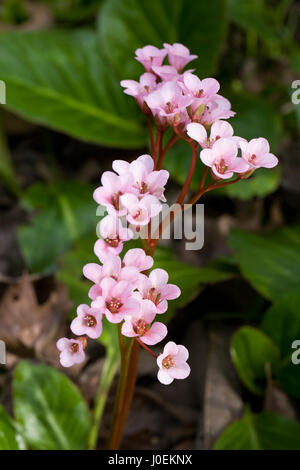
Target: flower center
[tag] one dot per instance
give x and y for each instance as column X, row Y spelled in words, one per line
column 115, row 200
column 252, row 158
column 74, row 347
column 169, row 107
column 113, row 242
column 153, row 295
column 141, row 327
column 113, row 305
column 221, row 166
column 168, row 362
column 90, row 321
column 143, row 188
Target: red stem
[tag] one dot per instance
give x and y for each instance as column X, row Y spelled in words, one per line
column 146, row 348
column 169, row 144
column 190, row 174
column 151, row 134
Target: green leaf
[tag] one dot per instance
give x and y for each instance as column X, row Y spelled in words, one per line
column 125, row 25
column 66, row 212
column 10, row 439
column 188, row 278
column 282, row 324
column 270, row 262
column 254, row 16
column 49, row 408
column 59, row 79
column 251, row 350
column 265, row 431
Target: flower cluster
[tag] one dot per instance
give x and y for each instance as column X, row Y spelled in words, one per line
column 122, row 289
column 192, row 106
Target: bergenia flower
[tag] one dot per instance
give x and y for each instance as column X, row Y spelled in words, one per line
column 113, row 186
column 112, row 267
column 179, row 55
column 140, row 89
column 166, row 72
column 156, row 288
column 257, row 153
column 172, row 363
column 223, row 160
column 218, row 108
column 206, row 89
column 150, row 56
column 169, row 102
column 71, row 351
column 88, row 322
column 113, row 235
column 140, row 211
column 116, row 300
column 137, row 257
column 140, row 325
column 219, row 129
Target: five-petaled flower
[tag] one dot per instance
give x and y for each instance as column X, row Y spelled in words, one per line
column 172, row 363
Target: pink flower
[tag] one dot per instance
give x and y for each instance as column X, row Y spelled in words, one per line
column 71, row 351
column 88, row 322
column 169, row 103
column 156, row 288
column 112, row 267
column 166, row 72
column 150, row 56
column 113, row 187
column 114, row 234
column 137, row 257
column 146, row 180
column 140, row 326
column 116, row 300
column 172, row 363
column 206, row 89
column 140, row 89
column 179, row 55
column 218, row 108
column 223, row 160
column 140, row 211
column 219, row 129
column 257, row 153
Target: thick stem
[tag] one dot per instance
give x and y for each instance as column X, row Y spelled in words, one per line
column 150, row 134
column 127, row 379
column 108, row 373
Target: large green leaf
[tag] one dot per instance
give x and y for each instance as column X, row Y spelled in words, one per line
column 125, row 25
column 265, row 431
column 270, row 262
column 251, row 350
column 66, row 212
column 282, row 324
column 49, row 408
column 255, row 16
column 10, row 439
column 59, row 79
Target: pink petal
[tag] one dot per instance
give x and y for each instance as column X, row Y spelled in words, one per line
column 155, row 334
column 180, row 372
column 197, row 132
column 127, row 329
column 170, row 292
column 164, row 377
column 147, row 310
column 92, row 271
column 207, row 156
column 170, row 348
column 62, row 343
column 269, row 161
column 159, row 278
column 120, row 166
column 221, row 129
column 183, row 353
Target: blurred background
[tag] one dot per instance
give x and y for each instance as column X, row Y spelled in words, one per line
column 65, row 119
